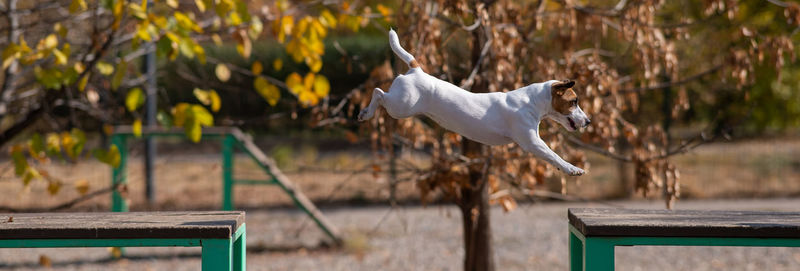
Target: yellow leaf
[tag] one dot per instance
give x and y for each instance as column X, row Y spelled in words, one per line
column 202, row 95
column 172, row 3
column 179, row 114
column 200, row 53
column 269, row 91
column 50, row 42
column 223, row 73
column 187, row 23
column 116, row 11
column 53, row 187
column 208, row 97
column 234, row 19
column 137, row 128
column 216, row 102
column 116, row 252
column 108, row 129
column 256, row 68
column 45, row 261
column 83, row 82
column 61, row 58
column 217, row 40
column 308, row 81
column 104, row 68
column 60, row 30
column 134, row 99
column 284, row 27
column 82, row 186
column 201, row 6
column 295, row 83
column 327, row 18
column 277, row 64
column 307, row 98
column 321, row 86
column 77, row 5
column 245, row 46
column 383, row 10
column 314, row 63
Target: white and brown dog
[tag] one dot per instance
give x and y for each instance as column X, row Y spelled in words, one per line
column 495, row 118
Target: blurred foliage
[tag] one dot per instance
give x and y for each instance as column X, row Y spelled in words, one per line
column 75, row 64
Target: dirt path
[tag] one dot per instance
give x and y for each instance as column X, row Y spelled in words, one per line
column 426, row 238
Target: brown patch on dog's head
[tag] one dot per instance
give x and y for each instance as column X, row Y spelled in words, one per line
column 564, row 98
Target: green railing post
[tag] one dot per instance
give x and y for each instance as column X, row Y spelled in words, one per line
column 228, row 143
column 120, row 173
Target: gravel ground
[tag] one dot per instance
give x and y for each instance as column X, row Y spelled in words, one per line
column 532, row 237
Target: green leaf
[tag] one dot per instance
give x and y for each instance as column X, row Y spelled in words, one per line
column 164, row 119
column 134, row 99
column 110, row 157
column 80, row 141
column 36, row 147
column 77, row 5
column 20, row 163
column 119, row 74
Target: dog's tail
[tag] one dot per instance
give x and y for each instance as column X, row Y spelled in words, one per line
column 394, row 42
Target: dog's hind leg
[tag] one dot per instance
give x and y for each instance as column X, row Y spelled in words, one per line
column 369, row 112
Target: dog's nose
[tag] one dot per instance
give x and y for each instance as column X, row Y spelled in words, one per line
column 588, row 121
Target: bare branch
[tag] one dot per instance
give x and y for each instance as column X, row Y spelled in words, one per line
column 663, row 85
column 62, row 206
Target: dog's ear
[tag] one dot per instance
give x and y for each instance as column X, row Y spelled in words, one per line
column 561, row 86
column 564, row 84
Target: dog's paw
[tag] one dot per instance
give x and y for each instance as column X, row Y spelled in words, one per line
column 574, row 171
column 364, row 115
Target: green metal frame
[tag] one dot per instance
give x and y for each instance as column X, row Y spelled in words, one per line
column 229, row 145
column 597, row 253
column 217, row 254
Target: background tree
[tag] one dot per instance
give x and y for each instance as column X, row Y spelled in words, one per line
column 641, row 66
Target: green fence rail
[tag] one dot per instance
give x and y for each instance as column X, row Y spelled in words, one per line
column 232, row 139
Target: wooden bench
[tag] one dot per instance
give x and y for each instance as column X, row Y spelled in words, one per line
column 593, row 233
column 221, row 234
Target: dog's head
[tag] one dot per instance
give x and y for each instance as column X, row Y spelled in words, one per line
column 565, row 108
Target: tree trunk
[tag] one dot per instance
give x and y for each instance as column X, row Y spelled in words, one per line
column 478, row 252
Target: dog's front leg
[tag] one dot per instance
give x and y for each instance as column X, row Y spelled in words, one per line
column 531, row 142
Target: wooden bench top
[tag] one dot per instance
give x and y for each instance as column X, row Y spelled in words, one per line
column 684, row 223
column 131, row 225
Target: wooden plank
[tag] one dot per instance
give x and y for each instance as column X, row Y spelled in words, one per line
column 140, row 225
column 684, row 223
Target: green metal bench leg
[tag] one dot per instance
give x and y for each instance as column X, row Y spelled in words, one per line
column 240, row 249
column 227, row 172
column 598, row 255
column 575, row 252
column 119, row 174
column 217, row 254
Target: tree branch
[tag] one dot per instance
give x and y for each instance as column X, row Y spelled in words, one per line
column 667, row 84
column 64, row 205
